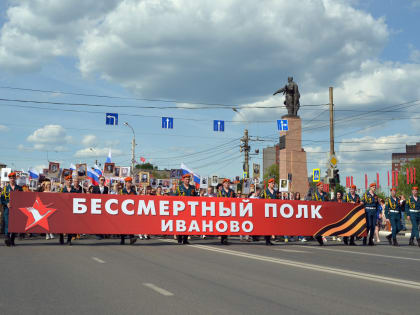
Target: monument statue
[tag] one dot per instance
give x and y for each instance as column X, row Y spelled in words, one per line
column 291, row 90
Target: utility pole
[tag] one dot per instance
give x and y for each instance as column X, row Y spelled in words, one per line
column 245, row 148
column 331, row 122
column 133, row 147
column 334, row 178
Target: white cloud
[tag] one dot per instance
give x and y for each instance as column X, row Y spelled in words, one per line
column 48, row 135
column 372, row 87
column 229, row 51
column 96, row 152
column 42, row 147
column 3, row 128
column 371, row 153
column 89, row 140
column 49, row 28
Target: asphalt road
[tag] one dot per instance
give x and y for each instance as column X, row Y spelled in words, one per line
column 160, row 277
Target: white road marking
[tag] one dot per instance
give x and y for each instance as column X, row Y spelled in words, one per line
column 98, row 260
column 157, row 289
column 290, row 250
column 360, row 253
column 319, row 268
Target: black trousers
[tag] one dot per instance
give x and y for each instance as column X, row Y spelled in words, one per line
column 182, row 238
column 69, row 236
column 12, row 238
column 346, row 239
column 319, row 239
column 131, row 236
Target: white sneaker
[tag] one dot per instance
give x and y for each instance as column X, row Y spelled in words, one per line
column 338, row 239
column 47, row 236
column 324, row 239
column 303, row 240
column 52, row 236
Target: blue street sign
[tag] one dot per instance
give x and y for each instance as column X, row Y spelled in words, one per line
column 167, row 122
column 316, row 175
column 282, row 125
column 111, row 119
column 219, row 125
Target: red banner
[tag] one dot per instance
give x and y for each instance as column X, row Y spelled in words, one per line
column 33, row 212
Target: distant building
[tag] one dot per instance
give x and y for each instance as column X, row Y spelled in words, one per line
column 2, row 165
column 270, row 157
column 399, row 159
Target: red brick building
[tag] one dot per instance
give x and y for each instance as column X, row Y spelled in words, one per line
column 399, row 159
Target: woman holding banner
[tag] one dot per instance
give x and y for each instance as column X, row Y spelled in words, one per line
column 67, row 189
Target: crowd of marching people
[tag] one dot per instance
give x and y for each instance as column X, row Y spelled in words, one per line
column 377, row 211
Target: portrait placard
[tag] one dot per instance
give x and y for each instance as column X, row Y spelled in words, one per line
column 109, row 169
column 54, row 170
column 81, row 170
column 283, row 185
column 124, row 171
column 144, row 177
column 5, row 174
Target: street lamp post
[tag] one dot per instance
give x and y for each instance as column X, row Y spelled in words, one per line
column 133, row 146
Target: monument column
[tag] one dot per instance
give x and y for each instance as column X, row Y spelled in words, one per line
column 292, row 158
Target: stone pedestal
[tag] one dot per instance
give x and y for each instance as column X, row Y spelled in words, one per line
column 292, row 159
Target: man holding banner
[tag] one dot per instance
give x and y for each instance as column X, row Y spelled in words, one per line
column 5, row 201
column 185, row 189
column 269, row 193
column 227, row 193
column 320, row 195
column 351, row 197
column 128, row 190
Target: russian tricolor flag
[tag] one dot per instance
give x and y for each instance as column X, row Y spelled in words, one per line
column 97, row 170
column 109, row 157
column 33, row 174
column 186, row 170
column 93, row 176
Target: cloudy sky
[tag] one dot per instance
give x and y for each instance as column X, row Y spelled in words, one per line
column 64, row 64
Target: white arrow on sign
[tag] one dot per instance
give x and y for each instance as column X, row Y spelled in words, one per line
column 111, row 117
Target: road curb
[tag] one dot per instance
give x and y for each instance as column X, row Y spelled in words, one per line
column 385, row 233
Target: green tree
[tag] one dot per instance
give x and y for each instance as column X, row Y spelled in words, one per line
column 272, row 171
column 404, row 188
column 145, row 166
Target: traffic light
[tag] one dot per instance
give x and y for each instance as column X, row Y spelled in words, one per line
column 336, row 176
